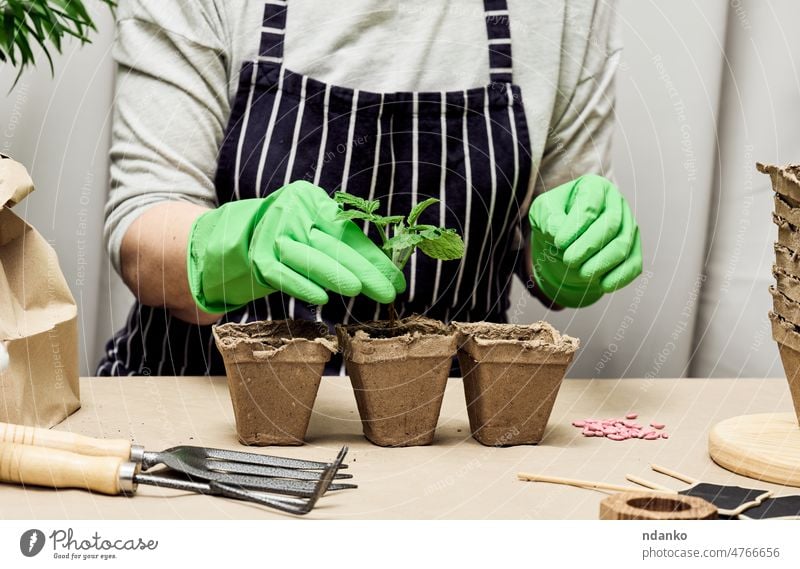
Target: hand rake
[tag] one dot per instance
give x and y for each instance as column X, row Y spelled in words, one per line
column 43, row 466
column 235, row 468
column 245, row 469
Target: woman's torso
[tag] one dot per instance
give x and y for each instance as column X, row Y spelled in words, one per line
column 366, row 50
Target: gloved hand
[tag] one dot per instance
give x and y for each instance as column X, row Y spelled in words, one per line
column 584, row 241
column 289, row 241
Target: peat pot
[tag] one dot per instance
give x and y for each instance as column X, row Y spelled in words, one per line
column 399, row 374
column 274, row 369
column 512, row 374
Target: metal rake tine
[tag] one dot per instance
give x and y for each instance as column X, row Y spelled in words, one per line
column 339, row 461
column 210, row 488
column 322, row 486
column 298, row 507
column 231, row 467
column 291, row 487
column 330, row 472
column 266, row 460
column 290, row 505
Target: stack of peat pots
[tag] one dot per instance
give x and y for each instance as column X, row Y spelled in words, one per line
column 785, row 316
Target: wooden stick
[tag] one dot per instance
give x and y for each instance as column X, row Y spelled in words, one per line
column 673, row 474
column 648, row 484
column 587, row 484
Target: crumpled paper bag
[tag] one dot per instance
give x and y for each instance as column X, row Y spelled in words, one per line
column 38, row 317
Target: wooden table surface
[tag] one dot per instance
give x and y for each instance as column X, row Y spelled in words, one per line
column 456, row 477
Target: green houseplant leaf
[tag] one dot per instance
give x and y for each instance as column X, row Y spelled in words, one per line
column 42, row 23
column 419, row 208
column 366, row 206
column 447, row 245
column 400, row 235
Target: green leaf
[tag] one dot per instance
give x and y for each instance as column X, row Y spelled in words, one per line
column 421, row 228
column 355, row 214
column 387, row 219
column 29, row 24
column 419, row 208
column 403, row 241
column 444, row 244
column 368, row 206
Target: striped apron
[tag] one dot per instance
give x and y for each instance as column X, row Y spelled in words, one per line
column 468, row 148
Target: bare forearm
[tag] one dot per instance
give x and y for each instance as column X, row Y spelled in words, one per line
column 153, row 259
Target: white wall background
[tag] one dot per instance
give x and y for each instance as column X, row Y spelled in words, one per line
column 664, row 152
column 707, row 88
column 58, row 126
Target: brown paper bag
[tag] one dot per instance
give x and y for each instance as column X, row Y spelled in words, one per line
column 38, row 317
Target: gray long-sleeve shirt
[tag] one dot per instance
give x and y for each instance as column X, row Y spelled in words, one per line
column 179, row 63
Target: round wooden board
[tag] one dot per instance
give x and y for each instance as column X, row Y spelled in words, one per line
column 764, row 447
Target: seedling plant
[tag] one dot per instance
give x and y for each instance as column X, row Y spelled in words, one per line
column 401, row 235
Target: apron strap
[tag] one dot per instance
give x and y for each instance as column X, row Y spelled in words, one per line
column 498, row 31
column 273, row 30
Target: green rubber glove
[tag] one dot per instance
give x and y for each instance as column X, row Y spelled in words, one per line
column 289, row 241
column 584, row 241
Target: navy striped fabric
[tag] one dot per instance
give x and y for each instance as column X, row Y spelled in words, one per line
column 470, row 149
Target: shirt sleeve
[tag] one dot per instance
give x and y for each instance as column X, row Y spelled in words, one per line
column 170, row 109
column 581, row 130
column 579, row 138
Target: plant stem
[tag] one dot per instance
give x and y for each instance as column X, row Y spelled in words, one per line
column 404, row 259
column 381, row 233
column 392, row 315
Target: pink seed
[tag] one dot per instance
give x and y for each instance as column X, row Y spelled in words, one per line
column 620, row 429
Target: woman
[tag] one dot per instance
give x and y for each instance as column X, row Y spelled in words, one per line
column 235, row 121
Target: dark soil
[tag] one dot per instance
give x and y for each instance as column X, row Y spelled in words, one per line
column 404, row 326
column 273, row 333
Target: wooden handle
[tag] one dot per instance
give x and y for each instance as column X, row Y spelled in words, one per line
column 41, row 466
column 588, row 484
column 72, row 442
